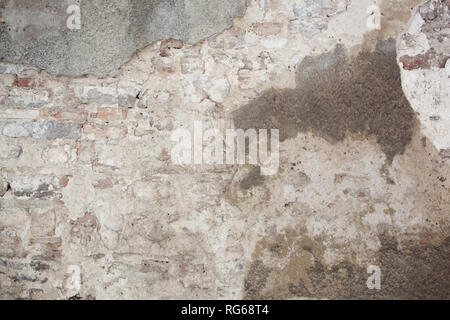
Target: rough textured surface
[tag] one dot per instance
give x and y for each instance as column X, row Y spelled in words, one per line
column 432, row 21
column 36, row 32
column 336, row 97
column 413, row 272
column 93, row 207
column 424, row 53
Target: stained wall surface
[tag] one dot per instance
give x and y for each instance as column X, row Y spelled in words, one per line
column 93, row 206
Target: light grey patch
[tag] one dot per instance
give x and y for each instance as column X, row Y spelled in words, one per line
column 127, row 98
column 57, row 130
column 298, row 180
column 306, row 29
column 29, row 98
column 42, row 130
column 313, row 16
column 94, row 96
column 9, row 151
column 445, row 153
column 14, row 129
column 10, row 68
column 313, row 65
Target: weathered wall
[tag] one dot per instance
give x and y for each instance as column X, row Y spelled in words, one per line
column 88, row 184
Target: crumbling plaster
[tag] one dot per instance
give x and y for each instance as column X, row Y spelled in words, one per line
column 88, row 184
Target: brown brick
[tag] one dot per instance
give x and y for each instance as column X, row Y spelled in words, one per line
column 105, row 131
column 24, row 82
column 112, row 114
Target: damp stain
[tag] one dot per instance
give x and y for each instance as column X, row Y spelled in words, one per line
column 412, row 270
column 358, row 95
column 337, row 96
column 253, row 179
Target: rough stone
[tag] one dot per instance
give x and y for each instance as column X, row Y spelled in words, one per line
column 4, row 186
column 28, row 97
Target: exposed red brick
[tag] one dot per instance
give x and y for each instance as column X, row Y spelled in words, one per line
column 424, row 61
column 64, row 181
column 164, row 156
column 50, row 113
column 24, row 82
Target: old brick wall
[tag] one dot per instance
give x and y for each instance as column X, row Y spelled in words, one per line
column 93, row 207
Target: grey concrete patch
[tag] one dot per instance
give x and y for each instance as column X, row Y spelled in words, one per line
column 36, row 32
